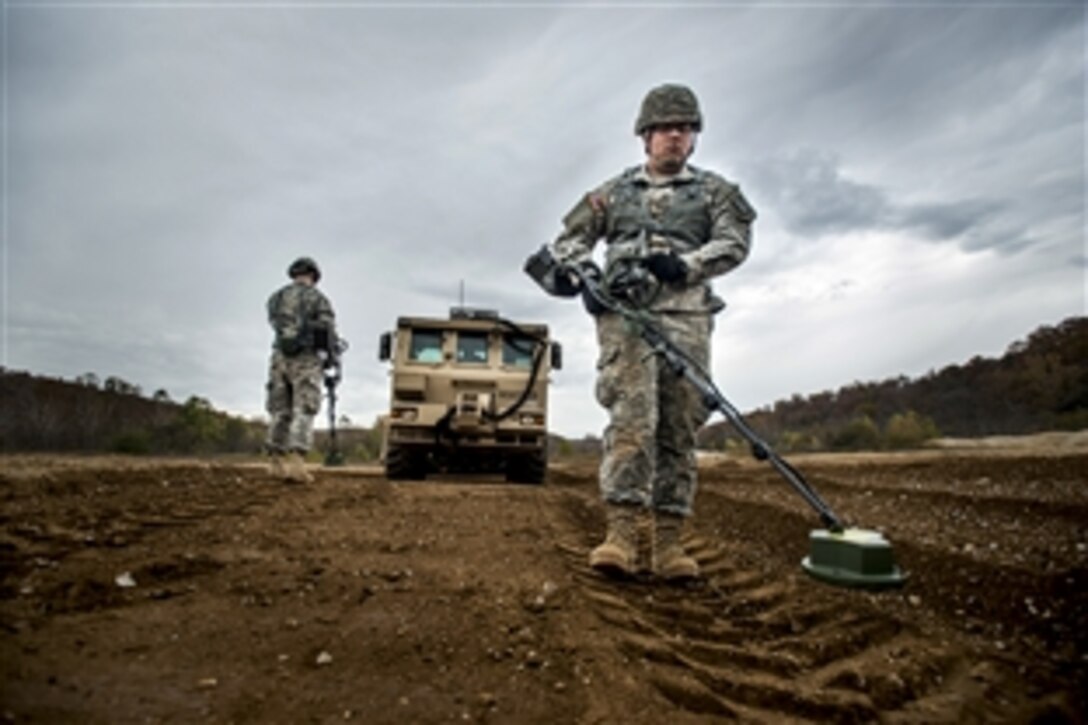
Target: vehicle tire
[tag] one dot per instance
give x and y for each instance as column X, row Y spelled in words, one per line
column 402, row 465
column 527, row 468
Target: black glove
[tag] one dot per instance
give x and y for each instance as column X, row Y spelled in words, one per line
column 567, row 283
column 568, row 278
column 667, row 267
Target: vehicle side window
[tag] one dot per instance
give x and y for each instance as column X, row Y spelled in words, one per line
column 472, row 347
column 517, row 351
column 426, row 346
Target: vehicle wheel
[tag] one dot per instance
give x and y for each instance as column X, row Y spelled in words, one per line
column 402, row 465
column 528, row 468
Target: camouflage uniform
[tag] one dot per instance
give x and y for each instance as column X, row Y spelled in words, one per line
column 654, row 415
column 300, row 315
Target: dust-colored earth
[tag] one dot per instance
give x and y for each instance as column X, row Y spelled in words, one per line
column 172, row 591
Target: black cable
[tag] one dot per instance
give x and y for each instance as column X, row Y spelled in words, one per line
column 540, row 345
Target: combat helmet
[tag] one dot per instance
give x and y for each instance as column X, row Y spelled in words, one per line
column 669, row 103
column 304, row 265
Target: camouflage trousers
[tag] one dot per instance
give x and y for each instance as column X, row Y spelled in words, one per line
column 294, row 398
column 653, row 414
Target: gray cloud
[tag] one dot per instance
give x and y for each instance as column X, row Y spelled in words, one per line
column 949, row 220
column 814, row 198
column 166, row 163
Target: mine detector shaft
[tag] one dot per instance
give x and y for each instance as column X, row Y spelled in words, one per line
column 838, row 554
column 625, row 289
column 468, row 393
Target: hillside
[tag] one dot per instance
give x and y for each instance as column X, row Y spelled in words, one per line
column 52, row 414
column 1039, row 384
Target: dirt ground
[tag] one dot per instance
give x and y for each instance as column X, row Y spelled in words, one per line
column 139, row 590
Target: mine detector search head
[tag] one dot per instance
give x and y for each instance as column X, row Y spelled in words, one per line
column 839, row 555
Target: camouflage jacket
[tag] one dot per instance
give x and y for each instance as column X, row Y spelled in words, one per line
column 696, row 214
column 302, row 319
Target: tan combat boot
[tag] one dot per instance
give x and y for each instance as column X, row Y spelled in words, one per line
column 670, row 561
column 275, row 465
column 618, row 555
column 295, row 469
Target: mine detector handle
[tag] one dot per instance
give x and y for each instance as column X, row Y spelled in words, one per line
column 713, row 398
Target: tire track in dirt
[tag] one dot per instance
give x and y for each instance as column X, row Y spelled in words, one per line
column 982, row 506
column 448, row 601
column 747, row 643
column 1026, row 590
column 933, row 568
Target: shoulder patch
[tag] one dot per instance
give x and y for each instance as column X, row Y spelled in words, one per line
column 586, row 213
column 744, row 211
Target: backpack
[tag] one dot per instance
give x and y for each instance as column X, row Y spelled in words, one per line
column 289, row 313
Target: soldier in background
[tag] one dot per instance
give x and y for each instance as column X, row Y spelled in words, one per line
column 685, row 225
column 305, row 341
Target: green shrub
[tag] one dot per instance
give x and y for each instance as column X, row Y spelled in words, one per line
column 132, row 442
column 860, row 434
column 795, row 442
column 909, row 430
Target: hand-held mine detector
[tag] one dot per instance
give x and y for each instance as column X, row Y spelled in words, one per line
column 838, row 554
column 468, row 394
column 332, row 371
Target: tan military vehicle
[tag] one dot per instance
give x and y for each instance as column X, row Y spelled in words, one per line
column 469, row 393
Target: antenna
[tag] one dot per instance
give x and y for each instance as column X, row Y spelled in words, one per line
column 462, row 294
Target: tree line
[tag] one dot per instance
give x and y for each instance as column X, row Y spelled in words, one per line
column 89, row 414
column 1038, row 384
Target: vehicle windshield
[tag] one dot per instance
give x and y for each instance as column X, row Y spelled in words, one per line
column 472, row 347
column 426, row 346
column 517, row 351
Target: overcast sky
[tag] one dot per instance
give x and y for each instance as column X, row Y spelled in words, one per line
column 918, row 168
